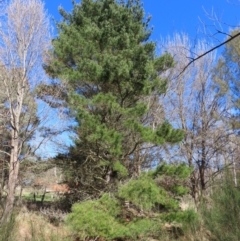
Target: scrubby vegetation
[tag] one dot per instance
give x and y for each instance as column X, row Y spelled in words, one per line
column 144, row 208
column 221, row 211
column 154, row 151
column 138, row 210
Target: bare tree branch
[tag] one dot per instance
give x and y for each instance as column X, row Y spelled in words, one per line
column 207, row 52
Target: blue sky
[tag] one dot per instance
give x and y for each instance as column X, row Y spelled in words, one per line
column 169, row 16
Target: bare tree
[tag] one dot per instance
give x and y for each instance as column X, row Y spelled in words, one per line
column 192, row 104
column 24, row 39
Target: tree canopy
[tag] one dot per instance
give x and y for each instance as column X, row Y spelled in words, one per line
column 104, row 56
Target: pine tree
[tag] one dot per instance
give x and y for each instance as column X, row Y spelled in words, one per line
column 103, row 55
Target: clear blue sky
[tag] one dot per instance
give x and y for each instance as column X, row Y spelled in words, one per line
column 169, row 16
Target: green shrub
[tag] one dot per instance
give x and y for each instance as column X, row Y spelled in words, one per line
column 183, row 217
column 221, row 213
column 151, row 203
column 172, row 178
column 97, row 218
column 141, row 228
column 143, row 192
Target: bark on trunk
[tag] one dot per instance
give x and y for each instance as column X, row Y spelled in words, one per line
column 203, row 167
column 194, row 188
column 12, row 182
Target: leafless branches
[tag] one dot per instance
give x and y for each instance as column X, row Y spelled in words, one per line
column 207, row 52
column 192, row 104
column 24, row 42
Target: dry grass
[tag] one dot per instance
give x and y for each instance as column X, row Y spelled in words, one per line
column 30, row 226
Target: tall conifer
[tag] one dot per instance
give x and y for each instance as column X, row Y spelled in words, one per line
column 103, row 55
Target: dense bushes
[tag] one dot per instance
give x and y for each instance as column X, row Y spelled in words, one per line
column 138, row 209
column 97, row 218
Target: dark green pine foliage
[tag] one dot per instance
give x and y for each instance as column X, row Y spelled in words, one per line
column 103, row 55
